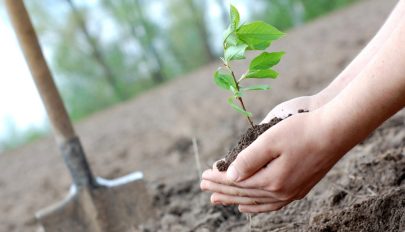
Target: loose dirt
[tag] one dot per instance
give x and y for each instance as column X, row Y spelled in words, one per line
column 364, row 192
column 246, row 139
column 153, row 134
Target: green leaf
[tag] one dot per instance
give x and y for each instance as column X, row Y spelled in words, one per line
column 238, row 94
column 258, row 35
column 255, row 87
column 235, row 18
column 224, row 80
column 231, row 40
column 227, row 33
column 230, row 37
column 235, row 52
column 266, row 60
column 237, row 108
column 259, row 45
column 267, row 73
column 233, row 89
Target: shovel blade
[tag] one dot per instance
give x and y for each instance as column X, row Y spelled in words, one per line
column 113, row 206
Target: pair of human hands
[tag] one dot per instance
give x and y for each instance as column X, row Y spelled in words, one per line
column 281, row 166
column 286, row 161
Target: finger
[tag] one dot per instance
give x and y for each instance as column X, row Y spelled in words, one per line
column 267, row 177
column 219, row 198
column 216, row 176
column 262, row 207
column 262, row 179
column 252, row 159
column 259, row 181
column 233, row 191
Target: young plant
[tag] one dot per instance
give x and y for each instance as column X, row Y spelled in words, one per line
column 237, row 40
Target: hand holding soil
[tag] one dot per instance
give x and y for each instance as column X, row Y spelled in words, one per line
column 293, row 106
column 296, row 162
column 287, row 160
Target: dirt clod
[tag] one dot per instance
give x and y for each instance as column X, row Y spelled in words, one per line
column 248, row 138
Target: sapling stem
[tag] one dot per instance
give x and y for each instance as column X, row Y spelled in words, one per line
column 238, row 88
column 239, row 38
column 244, row 108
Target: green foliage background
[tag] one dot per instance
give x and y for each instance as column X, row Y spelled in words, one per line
column 104, row 52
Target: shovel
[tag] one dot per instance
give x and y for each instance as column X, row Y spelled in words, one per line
column 93, row 204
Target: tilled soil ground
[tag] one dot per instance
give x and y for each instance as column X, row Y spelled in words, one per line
column 364, row 192
column 153, row 134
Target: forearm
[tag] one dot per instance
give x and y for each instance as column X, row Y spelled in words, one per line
column 376, row 94
column 364, row 57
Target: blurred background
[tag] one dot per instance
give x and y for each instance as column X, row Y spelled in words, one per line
column 105, row 52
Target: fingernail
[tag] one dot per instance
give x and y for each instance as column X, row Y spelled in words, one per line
column 232, row 174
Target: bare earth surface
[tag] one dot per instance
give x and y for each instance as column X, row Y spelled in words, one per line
column 364, row 192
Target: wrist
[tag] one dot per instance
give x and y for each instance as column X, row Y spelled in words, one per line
column 333, row 89
column 345, row 123
column 334, row 132
column 319, row 99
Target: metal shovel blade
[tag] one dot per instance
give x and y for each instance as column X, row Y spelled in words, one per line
column 113, row 206
column 96, row 204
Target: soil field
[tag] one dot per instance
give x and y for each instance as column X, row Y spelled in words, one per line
column 365, row 191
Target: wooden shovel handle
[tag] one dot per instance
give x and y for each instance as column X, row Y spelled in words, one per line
column 39, row 69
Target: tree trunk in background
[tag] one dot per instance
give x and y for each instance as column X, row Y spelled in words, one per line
column 156, row 77
column 199, row 19
column 224, row 12
column 157, row 74
column 181, row 61
column 128, row 21
column 96, row 51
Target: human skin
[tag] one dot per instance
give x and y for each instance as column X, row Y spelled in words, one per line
column 273, row 171
column 346, row 76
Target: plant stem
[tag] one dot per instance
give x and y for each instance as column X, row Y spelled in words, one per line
column 243, row 107
column 239, row 98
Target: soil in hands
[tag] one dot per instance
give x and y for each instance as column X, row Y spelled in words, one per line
column 246, row 139
column 365, row 191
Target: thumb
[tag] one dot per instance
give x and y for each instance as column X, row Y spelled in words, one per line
column 251, row 159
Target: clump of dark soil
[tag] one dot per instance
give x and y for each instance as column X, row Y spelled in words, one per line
column 246, row 139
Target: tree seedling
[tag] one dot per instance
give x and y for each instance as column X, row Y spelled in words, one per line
column 239, row 38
